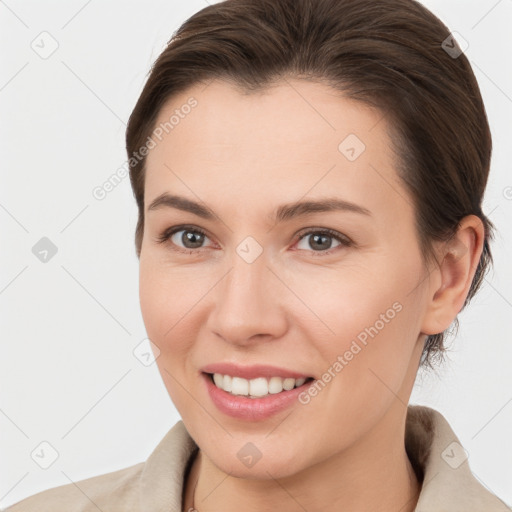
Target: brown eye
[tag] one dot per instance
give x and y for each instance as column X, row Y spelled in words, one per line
column 183, row 238
column 320, row 241
column 190, row 239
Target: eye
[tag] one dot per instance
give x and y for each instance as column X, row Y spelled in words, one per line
column 321, row 241
column 190, row 237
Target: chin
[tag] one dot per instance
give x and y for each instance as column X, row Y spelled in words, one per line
column 254, row 457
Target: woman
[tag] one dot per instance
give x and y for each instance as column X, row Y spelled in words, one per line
column 309, row 176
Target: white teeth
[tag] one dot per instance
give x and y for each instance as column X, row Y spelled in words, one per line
column 218, row 379
column 227, row 385
column 258, row 387
column 239, row 386
column 255, row 388
column 288, row 384
column 275, row 385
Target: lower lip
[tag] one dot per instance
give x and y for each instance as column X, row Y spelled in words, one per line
column 252, row 409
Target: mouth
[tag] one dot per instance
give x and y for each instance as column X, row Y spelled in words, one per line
column 259, row 387
column 254, row 392
column 254, row 401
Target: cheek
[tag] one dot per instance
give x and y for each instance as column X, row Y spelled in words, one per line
column 152, row 298
column 161, row 311
column 366, row 360
column 370, row 318
column 172, row 301
column 165, row 295
column 162, row 307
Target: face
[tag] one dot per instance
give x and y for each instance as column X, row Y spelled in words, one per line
column 333, row 295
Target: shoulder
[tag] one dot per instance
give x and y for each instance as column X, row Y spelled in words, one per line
column 155, row 484
column 109, row 492
column 442, row 464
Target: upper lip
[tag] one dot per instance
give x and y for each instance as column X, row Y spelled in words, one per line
column 252, row 371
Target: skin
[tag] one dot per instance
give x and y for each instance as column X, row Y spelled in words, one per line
column 242, row 156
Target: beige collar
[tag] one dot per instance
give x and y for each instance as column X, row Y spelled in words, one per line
column 432, row 446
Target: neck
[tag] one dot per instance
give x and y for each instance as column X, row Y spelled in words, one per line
column 374, row 474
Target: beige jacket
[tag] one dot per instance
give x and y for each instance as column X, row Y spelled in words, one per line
column 157, row 484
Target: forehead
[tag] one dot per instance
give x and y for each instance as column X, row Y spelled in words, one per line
column 293, row 139
column 284, row 117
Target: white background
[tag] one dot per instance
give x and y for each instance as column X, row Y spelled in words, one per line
column 69, row 326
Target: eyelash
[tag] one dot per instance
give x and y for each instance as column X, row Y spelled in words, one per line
column 344, row 240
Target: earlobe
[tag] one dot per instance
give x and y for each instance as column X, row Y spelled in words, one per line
column 452, row 277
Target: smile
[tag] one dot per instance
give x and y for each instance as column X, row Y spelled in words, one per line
column 258, row 387
column 255, row 399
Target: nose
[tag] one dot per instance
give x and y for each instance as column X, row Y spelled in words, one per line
column 248, row 304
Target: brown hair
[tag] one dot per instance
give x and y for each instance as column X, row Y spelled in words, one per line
column 389, row 54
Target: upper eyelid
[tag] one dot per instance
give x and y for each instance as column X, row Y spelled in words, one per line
column 328, row 231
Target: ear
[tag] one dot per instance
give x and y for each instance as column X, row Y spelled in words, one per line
column 450, row 280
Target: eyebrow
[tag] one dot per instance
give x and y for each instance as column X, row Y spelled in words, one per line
column 282, row 213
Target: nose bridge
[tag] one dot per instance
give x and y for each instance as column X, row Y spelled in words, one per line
column 247, row 301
